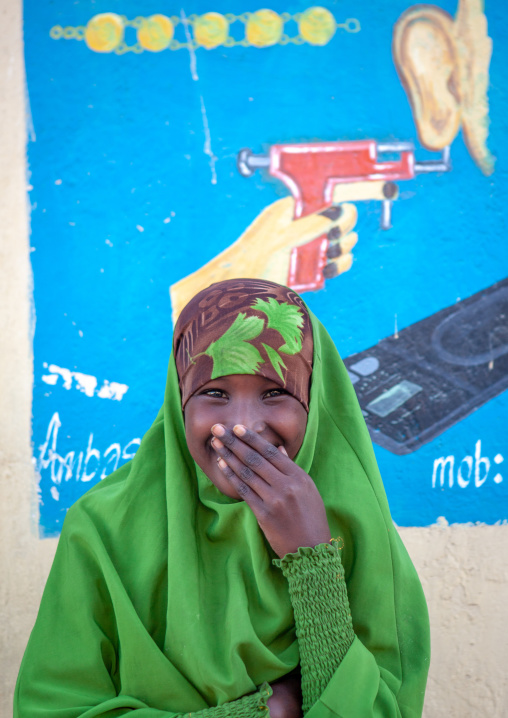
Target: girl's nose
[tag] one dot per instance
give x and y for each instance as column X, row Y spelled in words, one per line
column 259, row 426
column 249, row 416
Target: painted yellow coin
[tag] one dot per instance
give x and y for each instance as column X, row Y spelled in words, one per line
column 264, row 28
column 156, row 33
column 317, row 26
column 211, row 30
column 104, row 32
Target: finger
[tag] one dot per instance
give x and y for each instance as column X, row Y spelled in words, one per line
column 228, row 462
column 230, row 444
column 348, row 217
column 338, row 266
column 336, row 221
column 306, row 229
column 345, row 214
column 343, row 246
column 242, row 488
column 361, row 191
column 266, row 455
column 332, row 212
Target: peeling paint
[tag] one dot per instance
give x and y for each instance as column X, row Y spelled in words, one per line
column 192, row 52
column 207, row 149
column 85, row 383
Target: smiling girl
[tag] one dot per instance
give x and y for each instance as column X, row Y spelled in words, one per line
column 244, row 562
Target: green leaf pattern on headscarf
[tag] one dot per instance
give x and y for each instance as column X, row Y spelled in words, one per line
column 231, row 353
column 276, row 359
column 286, row 319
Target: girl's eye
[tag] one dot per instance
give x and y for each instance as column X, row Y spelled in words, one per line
column 215, row 393
column 272, row 393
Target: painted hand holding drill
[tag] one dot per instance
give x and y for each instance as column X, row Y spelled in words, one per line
column 323, row 175
column 307, row 238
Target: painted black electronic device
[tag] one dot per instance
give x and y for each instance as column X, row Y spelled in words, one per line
column 413, row 386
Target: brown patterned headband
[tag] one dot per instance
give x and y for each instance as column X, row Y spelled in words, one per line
column 244, row 326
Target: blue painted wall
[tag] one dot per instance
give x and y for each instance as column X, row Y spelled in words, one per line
column 123, row 205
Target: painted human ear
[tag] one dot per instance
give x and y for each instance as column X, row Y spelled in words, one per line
column 443, row 64
column 426, row 59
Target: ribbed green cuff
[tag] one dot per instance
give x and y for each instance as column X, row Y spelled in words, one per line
column 322, row 616
column 304, row 557
column 252, row 706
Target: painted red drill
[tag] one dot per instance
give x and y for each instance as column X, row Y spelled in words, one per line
column 313, row 173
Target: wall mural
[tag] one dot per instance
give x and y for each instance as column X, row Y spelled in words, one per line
column 169, row 150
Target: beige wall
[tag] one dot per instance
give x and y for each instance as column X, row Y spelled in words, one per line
column 464, row 569
column 24, row 560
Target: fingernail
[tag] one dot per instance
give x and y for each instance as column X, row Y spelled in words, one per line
column 239, row 429
column 334, row 233
column 222, row 463
column 390, row 189
column 218, row 430
column 217, row 443
column 330, row 270
column 334, row 250
column 332, row 212
column 283, row 451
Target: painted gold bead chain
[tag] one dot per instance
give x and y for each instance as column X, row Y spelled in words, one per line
column 105, row 32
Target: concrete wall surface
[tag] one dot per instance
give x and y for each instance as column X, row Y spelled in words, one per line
column 24, row 560
column 464, row 569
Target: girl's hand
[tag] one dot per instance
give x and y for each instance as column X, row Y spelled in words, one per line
column 284, row 499
column 286, row 701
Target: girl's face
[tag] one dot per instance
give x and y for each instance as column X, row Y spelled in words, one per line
column 251, row 400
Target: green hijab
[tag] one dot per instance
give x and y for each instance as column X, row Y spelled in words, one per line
column 163, row 597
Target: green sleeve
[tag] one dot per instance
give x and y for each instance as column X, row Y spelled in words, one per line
column 340, row 676
column 251, row 706
column 323, row 620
